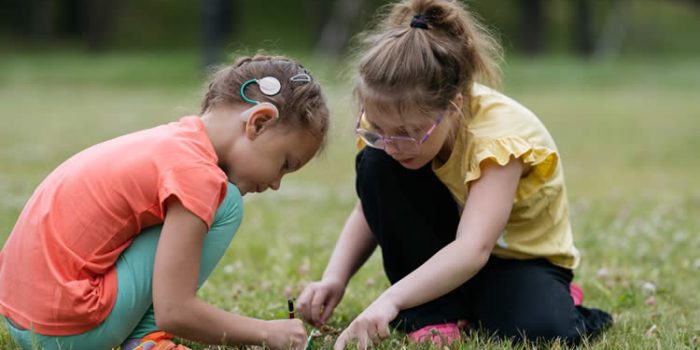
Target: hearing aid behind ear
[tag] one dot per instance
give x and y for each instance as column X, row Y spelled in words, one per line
column 269, row 86
column 248, row 112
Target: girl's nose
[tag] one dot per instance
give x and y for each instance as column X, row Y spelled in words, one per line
column 391, row 149
column 276, row 185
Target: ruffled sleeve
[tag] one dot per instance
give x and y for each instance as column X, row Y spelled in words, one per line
column 543, row 160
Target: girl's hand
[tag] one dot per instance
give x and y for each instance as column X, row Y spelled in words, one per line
column 285, row 334
column 370, row 327
column 319, row 299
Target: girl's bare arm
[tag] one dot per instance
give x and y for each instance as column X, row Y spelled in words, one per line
column 353, row 248
column 177, row 308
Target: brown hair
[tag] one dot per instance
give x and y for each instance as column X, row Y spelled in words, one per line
column 424, row 66
column 301, row 104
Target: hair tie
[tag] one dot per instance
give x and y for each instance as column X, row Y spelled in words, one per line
column 418, row 21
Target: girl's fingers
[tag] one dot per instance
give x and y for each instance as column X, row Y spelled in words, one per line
column 383, row 331
column 317, row 303
column 373, row 335
column 303, row 302
column 366, row 335
column 364, row 342
column 362, row 334
column 340, row 342
column 380, row 332
column 300, row 342
column 328, row 309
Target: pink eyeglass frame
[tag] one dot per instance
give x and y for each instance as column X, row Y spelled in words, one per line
column 389, row 139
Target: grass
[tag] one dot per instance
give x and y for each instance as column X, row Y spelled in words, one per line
column 627, row 132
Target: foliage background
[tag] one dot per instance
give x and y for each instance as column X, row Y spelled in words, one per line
column 626, row 122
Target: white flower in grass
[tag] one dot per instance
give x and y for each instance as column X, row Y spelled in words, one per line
column 649, row 288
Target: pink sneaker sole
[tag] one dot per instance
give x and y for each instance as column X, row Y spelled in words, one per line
column 576, row 293
column 451, row 332
column 438, row 334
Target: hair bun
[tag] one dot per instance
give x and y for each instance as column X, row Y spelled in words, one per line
column 436, row 12
column 442, row 16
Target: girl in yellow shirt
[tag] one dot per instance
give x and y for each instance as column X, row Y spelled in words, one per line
column 462, row 189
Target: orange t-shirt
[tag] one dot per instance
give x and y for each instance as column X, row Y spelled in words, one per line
column 57, row 268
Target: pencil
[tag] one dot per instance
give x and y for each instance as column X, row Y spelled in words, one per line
column 290, row 306
column 310, row 339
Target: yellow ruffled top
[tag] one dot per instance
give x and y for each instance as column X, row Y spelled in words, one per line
column 501, row 128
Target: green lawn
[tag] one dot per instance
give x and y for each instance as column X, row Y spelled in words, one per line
column 627, row 132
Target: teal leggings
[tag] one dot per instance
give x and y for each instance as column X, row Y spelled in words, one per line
column 132, row 315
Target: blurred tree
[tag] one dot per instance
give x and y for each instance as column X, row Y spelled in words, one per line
column 531, row 26
column 48, row 20
column 615, row 28
column 583, row 27
column 318, row 11
column 73, row 15
column 218, row 18
column 99, row 18
column 588, row 27
column 42, row 23
column 338, row 27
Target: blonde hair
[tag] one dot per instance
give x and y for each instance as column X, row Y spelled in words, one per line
column 405, row 66
column 301, row 104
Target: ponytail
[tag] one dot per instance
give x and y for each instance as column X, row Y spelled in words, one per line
column 424, row 52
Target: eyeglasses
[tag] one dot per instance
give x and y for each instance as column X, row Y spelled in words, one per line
column 404, row 144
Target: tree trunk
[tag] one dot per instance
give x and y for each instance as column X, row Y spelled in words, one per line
column 338, row 27
column 217, row 25
column 43, row 24
column 318, row 11
column 100, row 15
column 610, row 42
column 583, row 27
column 531, row 26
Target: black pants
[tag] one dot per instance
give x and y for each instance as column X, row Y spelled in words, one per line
column 412, row 215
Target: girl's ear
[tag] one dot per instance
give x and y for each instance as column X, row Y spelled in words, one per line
column 259, row 118
column 458, row 101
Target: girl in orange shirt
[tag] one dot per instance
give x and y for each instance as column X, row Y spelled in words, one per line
column 114, row 243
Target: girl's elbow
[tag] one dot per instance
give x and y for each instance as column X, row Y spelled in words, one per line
column 168, row 317
column 482, row 256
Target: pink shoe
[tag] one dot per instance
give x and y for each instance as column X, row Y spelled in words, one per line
column 438, row 334
column 576, row 293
